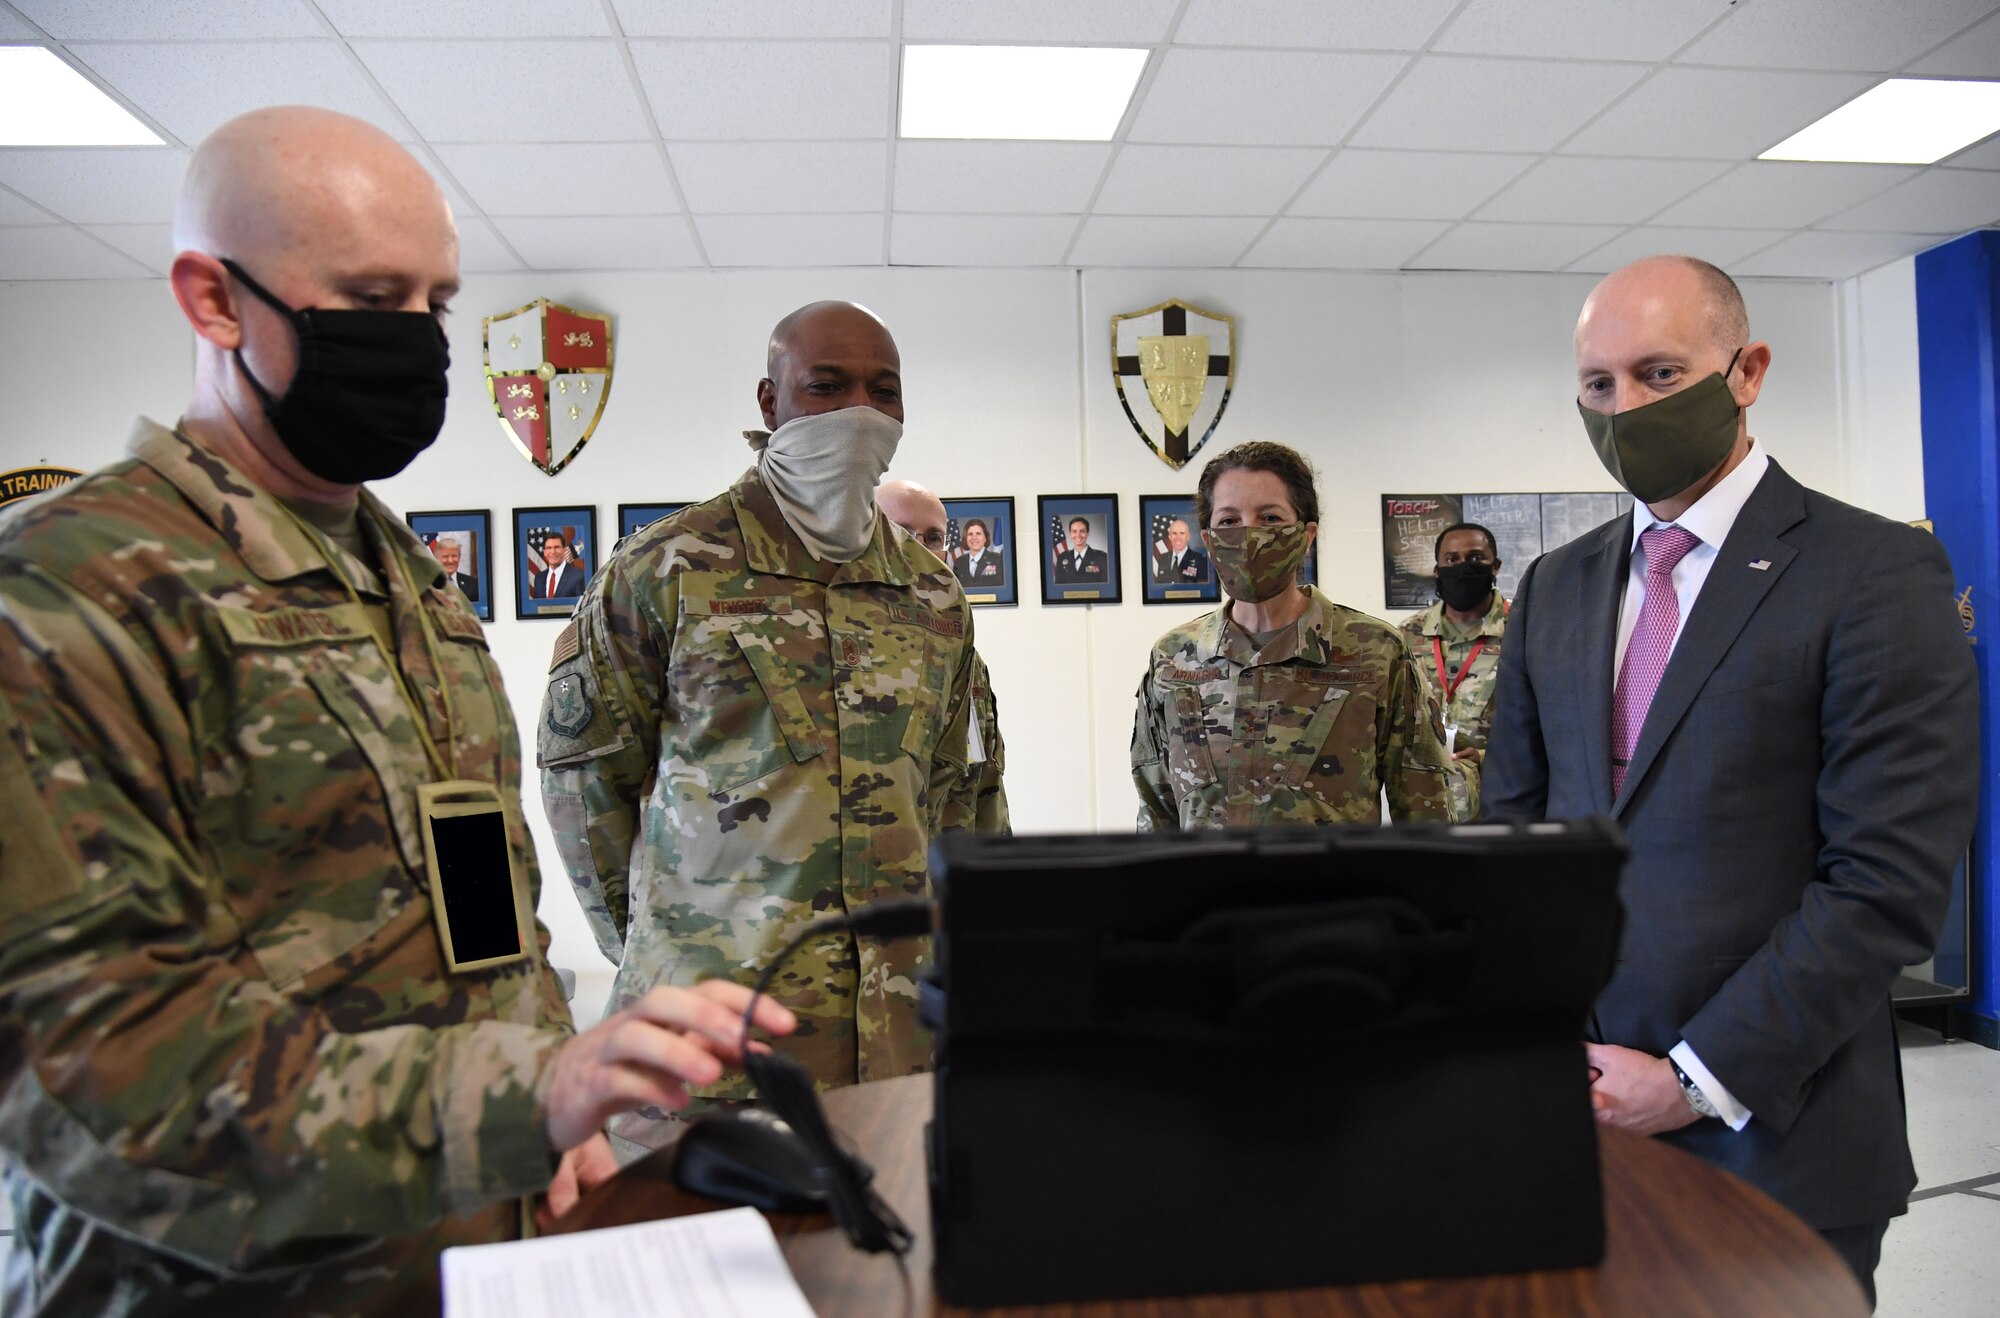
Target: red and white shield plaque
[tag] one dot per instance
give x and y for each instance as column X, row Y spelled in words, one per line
column 548, row 370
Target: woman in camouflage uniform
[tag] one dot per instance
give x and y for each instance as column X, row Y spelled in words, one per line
column 1280, row 706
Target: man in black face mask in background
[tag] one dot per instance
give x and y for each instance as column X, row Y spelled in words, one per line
column 1768, row 689
column 1456, row 646
column 243, row 1069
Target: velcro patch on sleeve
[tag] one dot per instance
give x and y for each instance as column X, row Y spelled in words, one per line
column 567, row 646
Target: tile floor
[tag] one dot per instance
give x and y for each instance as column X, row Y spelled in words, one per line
column 1943, row 1259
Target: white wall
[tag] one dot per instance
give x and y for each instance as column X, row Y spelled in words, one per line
column 1389, row 382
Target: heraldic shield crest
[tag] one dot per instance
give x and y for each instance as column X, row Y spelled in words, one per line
column 1174, row 365
column 548, row 370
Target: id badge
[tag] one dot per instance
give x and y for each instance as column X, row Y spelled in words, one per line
column 477, row 896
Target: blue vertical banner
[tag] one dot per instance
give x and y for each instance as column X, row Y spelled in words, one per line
column 1958, row 311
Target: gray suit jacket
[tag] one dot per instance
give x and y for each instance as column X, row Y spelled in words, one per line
column 1801, row 790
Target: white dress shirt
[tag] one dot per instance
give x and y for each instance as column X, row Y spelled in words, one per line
column 1709, row 520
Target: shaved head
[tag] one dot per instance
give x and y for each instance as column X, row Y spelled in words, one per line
column 323, row 211
column 282, row 184
column 915, row 509
column 828, row 356
column 1714, row 297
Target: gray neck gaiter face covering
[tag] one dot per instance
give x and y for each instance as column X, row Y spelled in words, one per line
column 823, row 470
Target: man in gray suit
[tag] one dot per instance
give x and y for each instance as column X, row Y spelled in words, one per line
column 1767, row 688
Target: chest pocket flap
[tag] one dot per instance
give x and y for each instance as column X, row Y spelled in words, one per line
column 737, row 697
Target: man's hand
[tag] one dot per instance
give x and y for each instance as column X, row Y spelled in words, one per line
column 1636, row 1091
column 1469, row 753
column 647, row 1054
column 584, row 1167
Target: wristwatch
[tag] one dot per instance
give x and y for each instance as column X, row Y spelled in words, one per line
column 1692, row 1093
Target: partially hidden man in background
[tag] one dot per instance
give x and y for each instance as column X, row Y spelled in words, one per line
column 1769, row 691
column 758, row 717
column 1281, row 706
column 237, row 1074
column 1456, row 646
column 920, row 512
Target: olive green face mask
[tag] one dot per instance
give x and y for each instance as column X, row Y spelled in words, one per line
column 1658, row 450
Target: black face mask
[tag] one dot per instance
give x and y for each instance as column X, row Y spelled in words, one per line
column 1465, row 586
column 368, row 395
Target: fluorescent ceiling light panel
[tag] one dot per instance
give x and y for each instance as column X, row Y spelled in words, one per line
column 1904, row 121
column 45, row 102
column 1038, row 93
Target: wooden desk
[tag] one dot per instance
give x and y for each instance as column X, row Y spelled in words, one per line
column 1683, row 1238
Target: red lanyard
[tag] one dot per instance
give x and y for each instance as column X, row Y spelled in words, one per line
column 1452, row 684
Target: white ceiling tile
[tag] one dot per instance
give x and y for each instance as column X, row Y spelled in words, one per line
column 15, row 29
column 1512, row 246
column 1975, row 54
column 1301, row 98
column 509, row 91
column 98, row 185
column 1165, row 240
column 1715, row 114
column 1455, row 103
column 1986, row 155
column 1205, row 180
column 766, row 18
column 166, row 20
column 979, row 240
column 792, row 242
column 781, row 177
column 1429, row 185
column 1578, row 29
column 1403, row 25
column 1596, row 190
column 60, row 252
column 480, row 250
column 1101, row 22
column 1782, row 194
column 593, row 242
column 720, row 90
column 1822, row 255
column 152, row 245
column 1046, row 178
column 563, row 178
column 193, row 87
column 18, row 210
column 1833, row 34
column 1343, row 244
column 466, row 18
column 1948, row 201
column 1723, row 247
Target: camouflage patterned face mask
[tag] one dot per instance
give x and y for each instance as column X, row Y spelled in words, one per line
column 1256, row 563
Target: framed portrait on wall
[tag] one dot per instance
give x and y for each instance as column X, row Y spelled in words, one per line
column 1177, row 570
column 1079, row 549
column 638, row 516
column 555, row 551
column 462, row 543
column 979, row 549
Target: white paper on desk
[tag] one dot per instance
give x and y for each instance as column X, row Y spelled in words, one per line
column 710, row 1265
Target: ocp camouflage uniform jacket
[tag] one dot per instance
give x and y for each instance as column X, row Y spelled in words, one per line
column 235, row 1076
column 982, row 805
column 737, row 739
column 1470, row 708
column 1310, row 729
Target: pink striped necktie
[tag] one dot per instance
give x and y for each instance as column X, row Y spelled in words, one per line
column 1652, row 641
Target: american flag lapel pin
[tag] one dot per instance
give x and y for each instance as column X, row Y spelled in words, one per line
column 1761, row 565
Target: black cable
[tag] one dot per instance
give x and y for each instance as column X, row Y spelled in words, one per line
column 786, row 1087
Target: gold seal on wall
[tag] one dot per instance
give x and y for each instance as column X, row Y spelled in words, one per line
column 1185, row 360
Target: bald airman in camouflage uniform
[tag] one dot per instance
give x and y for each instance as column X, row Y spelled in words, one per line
column 1308, row 729
column 238, row 1072
column 1469, row 711
column 738, row 739
column 238, row 1048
